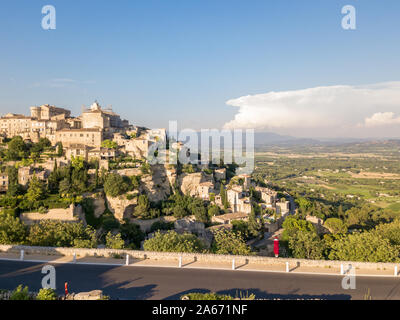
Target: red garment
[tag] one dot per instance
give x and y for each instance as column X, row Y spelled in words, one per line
column 66, row 288
column 276, row 247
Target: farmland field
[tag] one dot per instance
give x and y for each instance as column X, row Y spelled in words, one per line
column 367, row 172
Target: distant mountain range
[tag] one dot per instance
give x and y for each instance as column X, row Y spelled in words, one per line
column 269, row 138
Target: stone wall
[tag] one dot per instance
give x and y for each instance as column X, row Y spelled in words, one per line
column 168, row 256
column 71, row 214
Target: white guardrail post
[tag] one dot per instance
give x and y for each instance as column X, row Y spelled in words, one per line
column 74, row 258
column 341, row 269
column 180, row 261
column 127, row 260
column 395, row 271
column 233, row 264
column 22, row 255
column 287, row 267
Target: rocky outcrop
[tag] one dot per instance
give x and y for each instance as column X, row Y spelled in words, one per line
column 99, row 205
column 121, row 207
column 91, row 295
column 188, row 182
column 156, row 185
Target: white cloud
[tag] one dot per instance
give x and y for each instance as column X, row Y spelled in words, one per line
column 382, row 119
column 322, row 108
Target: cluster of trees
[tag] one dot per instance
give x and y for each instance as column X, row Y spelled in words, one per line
column 61, row 234
column 225, row 242
column 181, row 206
column 64, row 186
column 171, row 241
column 380, row 244
column 18, row 149
column 116, row 185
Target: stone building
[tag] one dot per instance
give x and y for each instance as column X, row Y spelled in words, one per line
column 25, row 174
column 47, row 112
column 89, row 137
column 238, row 199
column 3, row 182
column 220, row 174
column 269, row 196
column 205, row 189
column 229, row 217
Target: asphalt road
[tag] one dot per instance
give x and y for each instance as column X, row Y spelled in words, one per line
column 170, row 283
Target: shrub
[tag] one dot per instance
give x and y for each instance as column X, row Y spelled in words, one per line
column 161, row 225
column 20, row 293
column 173, row 242
column 114, row 241
column 47, row 294
column 229, row 242
column 116, row 185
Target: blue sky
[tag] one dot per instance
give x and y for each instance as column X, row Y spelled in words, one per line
column 155, row 61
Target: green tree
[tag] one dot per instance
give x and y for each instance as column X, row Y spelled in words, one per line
column 132, row 234
column 12, row 230
column 213, row 211
column 114, row 241
column 292, row 225
column 14, row 188
column 390, row 231
column 143, row 207
column 201, row 214
column 60, row 149
column 336, row 225
column 224, row 197
column 255, row 224
column 109, row 144
column 17, row 149
column 59, row 234
column 367, row 246
column 77, row 163
column 161, row 225
column 116, row 185
column 241, row 227
column 179, row 212
column 229, row 242
column 306, row 245
column 36, row 190
column 173, row 242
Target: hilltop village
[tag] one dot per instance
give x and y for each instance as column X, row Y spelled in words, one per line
column 93, row 170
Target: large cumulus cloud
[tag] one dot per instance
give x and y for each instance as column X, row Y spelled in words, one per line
column 320, row 107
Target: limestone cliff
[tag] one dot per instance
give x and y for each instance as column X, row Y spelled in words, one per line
column 156, row 185
column 188, row 182
column 121, row 207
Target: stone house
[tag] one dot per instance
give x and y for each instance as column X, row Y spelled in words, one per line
column 204, row 189
column 220, row 174
column 283, row 207
column 25, row 174
column 3, row 182
column 229, row 217
column 267, row 195
column 239, row 200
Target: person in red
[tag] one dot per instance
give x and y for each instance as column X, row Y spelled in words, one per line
column 276, row 247
column 66, row 288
